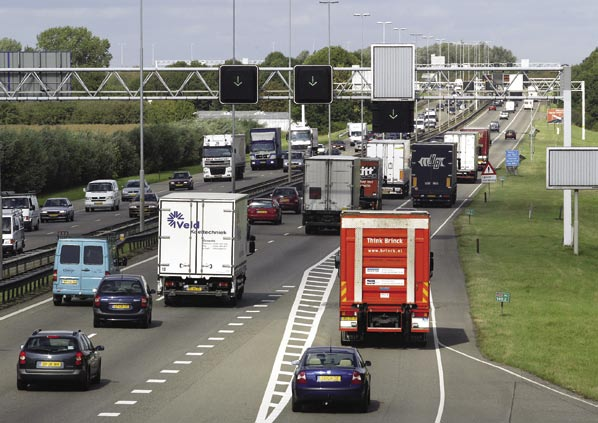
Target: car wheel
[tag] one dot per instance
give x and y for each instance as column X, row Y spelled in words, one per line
column 57, row 299
column 37, row 226
column 98, row 377
column 145, row 321
column 86, row 209
column 168, row 302
column 21, row 385
column 97, row 322
column 364, row 404
column 345, row 339
column 296, row 405
column 85, row 380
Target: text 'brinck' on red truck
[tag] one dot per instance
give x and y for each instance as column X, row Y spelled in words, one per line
column 385, row 265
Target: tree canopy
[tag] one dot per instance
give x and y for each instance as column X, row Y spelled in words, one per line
column 87, row 50
column 10, row 45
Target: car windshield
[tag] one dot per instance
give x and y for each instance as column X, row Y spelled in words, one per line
column 148, row 197
column 121, row 287
column 132, row 184
column 51, row 344
column 181, row 175
column 342, row 359
column 262, row 146
column 55, row 202
column 6, row 225
column 296, row 155
column 15, row 203
column 99, row 187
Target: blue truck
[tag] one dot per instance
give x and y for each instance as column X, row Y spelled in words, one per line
column 265, row 148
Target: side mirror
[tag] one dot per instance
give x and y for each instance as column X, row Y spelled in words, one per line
column 152, row 291
column 99, row 348
column 84, row 190
column 368, row 363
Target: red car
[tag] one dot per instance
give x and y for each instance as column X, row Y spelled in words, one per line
column 288, row 198
column 492, row 107
column 264, row 210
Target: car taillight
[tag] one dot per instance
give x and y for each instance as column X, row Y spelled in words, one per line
column 22, row 357
column 96, row 301
column 169, row 284
column 106, row 273
column 356, row 379
column 224, row 285
column 301, row 379
column 78, row 358
column 144, row 302
column 55, row 276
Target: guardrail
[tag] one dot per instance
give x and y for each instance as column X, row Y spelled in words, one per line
column 33, row 272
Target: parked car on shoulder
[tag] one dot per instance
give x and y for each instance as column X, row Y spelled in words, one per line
column 181, row 179
column 132, row 188
column 331, row 375
column 264, row 210
column 59, row 356
column 123, row 298
column 288, row 198
column 150, row 205
column 510, row 134
column 59, row 208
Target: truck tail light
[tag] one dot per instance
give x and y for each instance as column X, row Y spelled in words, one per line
column 78, row 358
column 22, row 357
column 144, row 302
column 169, row 284
column 301, row 378
column 348, row 314
column 356, row 379
column 96, row 301
column 224, row 285
column 55, row 276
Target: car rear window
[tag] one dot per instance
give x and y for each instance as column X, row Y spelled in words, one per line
column 256, row 204
column 69, row 254
column 121, row 287
column 284, row 192
column 330, row 359
column 51, row 344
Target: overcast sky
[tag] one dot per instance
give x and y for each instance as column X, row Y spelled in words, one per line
column 543, row 31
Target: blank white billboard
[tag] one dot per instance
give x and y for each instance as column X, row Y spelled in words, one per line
column 393, row 68
column 572, row 168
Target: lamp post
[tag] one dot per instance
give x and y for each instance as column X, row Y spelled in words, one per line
column 383, row 23
column 440, row 40
column 427, row 37
column 415, row 35
column 361, row 15
column 328, row 2
column 400, row 30
column 141, row 158
column 289, row 105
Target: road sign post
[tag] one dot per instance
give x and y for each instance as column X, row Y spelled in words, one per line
column 502, row 298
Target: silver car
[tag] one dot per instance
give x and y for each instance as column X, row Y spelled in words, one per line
column 59, row 208
column 131, row 189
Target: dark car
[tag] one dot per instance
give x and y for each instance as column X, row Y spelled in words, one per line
column 59, row 356
column 123, row 298
column 510, row 134
column 264, row 210
column 131, row 189
column 494, row 126
column 339, row 145
column 180, row 180
column 288, row 198
column 150, row 205
column 57, row 209
column 331, row 374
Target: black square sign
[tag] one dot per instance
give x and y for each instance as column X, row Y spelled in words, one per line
column 238, row 84
column 313, row 84
column 392, row 116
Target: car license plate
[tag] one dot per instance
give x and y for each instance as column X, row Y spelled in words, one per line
column 195, row 288
column 98, row 203
column 121, row 306
column 284, row 200
column 53, row 214
column 262, row 212
column 69, row 282
column 329, row 378
column 49, row 364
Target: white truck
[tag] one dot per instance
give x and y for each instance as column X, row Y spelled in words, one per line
column 528, row 104
column 304, row 138
column 219, row 152
column 356, row 132
column 467, row 154
column 203, row 244
column 509, row 106
column 330, row 184
column 395, row 155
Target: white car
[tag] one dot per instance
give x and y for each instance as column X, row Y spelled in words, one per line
column 503, row 115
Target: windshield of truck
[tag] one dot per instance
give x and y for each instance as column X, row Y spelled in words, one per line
column 301, row 135
column 216, row 152
column 257, row 146
column 6, row 225
column 15, row 203
column 99, row 187
column 262, row 136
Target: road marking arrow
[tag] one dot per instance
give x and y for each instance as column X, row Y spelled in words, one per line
column 313, row 82
column 238, row 82
column 393, row 116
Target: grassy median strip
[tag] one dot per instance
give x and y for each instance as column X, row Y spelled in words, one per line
column 550, row 325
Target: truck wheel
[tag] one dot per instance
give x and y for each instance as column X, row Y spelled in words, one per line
column 168, row 302
column 345, row 339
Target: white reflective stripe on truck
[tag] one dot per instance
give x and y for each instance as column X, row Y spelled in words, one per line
column 358, row 275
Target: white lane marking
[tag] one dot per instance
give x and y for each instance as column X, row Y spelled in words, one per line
column 205, row 346
column 91, row 335
column 533, row 382
column 108, row 414
column 194, row 353
column 269, row 411
column 288, row 286
column 271, row 241
column 260, row 305
column 182, row 362
column 155, row 381
column 252, row 311
column 236, row 324
column 244, row 317
column 141, row 391
column 226, row 331
column 168, row 371
column 125, row 402
column 212, row 338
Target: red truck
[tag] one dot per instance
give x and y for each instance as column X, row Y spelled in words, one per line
column 483, row 145
column 370, row 182
column 385, row 265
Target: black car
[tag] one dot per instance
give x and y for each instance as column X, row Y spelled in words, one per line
column 151, row 206
column 339, row 145
column 123, row 298
column 510, row 134
column 53, row 356
column 180, row 180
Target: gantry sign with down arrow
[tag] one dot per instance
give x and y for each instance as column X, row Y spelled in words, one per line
column 313, row 84
column 238, row 84
column 392, row 116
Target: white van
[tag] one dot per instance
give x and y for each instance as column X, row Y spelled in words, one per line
column 28, row 205
column 102, row 194
column 13, row 232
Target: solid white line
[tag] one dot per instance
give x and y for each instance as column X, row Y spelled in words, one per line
column 15, row 313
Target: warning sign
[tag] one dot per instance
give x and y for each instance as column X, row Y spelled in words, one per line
column 488, row 174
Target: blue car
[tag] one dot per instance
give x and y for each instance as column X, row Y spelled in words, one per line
column 331, row 375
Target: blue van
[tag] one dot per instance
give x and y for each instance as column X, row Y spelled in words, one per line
column 79, row 266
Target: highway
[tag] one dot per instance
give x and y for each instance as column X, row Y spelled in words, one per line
column 215, row 363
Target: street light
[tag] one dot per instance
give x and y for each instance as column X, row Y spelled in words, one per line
column 415, row 35
column 440, row 40
column 400, row 30
column 141, row 158
column 328, row 2
column 383, row 23
column 361, row 15
column 427, row 37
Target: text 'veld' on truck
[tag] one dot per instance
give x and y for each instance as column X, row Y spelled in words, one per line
column 203, row 244
column 385, row 265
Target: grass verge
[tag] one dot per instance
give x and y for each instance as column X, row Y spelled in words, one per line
column 549, row 326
